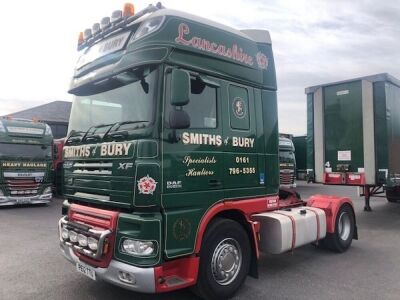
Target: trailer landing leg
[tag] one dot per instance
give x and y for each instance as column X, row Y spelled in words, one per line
column 368, row 191
column 367, row 195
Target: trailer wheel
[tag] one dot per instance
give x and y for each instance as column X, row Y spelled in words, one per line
column 392, row 195
column 224, row 260
column 341, row 239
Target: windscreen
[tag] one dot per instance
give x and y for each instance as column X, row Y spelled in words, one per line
column 25, row 151
column 286, row 156
column 127, row 97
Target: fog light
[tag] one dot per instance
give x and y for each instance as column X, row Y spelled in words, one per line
column 92, row 243
column 139, row 248
column 64, row 233
column 82, row 240
column 73, row 236
column 127, row 277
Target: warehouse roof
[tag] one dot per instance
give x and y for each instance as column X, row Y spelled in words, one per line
column 56, row 111
column 372, row 78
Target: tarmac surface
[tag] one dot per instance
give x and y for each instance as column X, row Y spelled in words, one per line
column 32, row 267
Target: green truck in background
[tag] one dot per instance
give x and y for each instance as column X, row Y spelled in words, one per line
column 353, row 130
column 26, row 172
column 287, row 162
column 300, row 146
column 171, row 163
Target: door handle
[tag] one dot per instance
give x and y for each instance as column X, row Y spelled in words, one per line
column 214, row 182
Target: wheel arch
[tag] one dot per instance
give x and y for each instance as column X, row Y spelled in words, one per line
column 331, row 205
column 239, row 216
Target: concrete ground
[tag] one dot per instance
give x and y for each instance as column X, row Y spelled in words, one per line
column 31, row 265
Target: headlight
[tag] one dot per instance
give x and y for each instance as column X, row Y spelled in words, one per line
column 92, row 243
column 73, row 236
column 139, row 248
column 64, row 233
column 47, row 190
column 82, row 240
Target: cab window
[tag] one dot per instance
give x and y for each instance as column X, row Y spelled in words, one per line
column 202, row 107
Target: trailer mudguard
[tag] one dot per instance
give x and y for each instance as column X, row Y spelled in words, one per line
column 331, row 206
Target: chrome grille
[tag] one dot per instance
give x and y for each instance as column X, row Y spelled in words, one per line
column 22, row 186
column 286, row 178
column 92, row 168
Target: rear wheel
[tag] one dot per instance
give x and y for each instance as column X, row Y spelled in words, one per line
column 341, row 239
column 224, row 260
column 392, row 195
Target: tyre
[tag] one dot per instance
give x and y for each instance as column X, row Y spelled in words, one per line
column 224, row 260
column 341, row 239
column 392, row 195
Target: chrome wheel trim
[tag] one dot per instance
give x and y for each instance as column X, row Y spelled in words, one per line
column 226, row 261
column 344, row 226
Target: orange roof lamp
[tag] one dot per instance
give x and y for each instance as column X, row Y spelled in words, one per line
column 129, row 10
column 80, row 38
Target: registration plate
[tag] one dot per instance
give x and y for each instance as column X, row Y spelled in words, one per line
column 86, row 270
column 23, row 201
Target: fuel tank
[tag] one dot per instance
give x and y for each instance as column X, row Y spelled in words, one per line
column 284, row 230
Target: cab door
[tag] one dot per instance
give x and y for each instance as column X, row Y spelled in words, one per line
column 192, row 162
column 243, row 175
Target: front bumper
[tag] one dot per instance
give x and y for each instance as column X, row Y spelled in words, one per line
column 144, row 277
column 39, row 199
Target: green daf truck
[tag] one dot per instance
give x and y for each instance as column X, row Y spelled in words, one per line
column 171, row 163
column 26, row 173
column 287, row 163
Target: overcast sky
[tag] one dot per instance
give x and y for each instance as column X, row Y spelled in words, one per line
column 314, row 41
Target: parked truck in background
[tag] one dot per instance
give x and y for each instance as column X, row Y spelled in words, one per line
column 171, row 164
column 287, row 163
column 26, row 171
column 354, row 133
column 300, row 146
column 58, row 146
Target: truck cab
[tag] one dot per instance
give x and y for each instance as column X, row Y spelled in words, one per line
column 26, row 170
column 287, row 163
column 172, row 147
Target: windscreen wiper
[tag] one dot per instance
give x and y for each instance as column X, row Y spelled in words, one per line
column 95, row 127
column 117, row 125
column 74, row 136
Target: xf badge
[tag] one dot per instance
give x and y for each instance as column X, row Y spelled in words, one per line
column 125, row 166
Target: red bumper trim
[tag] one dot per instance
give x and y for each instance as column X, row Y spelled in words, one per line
column 344, row 178
column 99, row 219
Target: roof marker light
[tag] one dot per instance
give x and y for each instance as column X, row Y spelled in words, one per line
column 87, row 34
column 105, row 23
column 116, row 16
column 129, row 10
column 95, row 28
column 80, row 38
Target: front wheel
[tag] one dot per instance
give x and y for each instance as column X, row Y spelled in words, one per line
column 224, row 260
column 341, row 239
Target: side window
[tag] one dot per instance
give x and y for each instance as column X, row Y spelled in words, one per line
column 239, row 108
column 202, row 107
